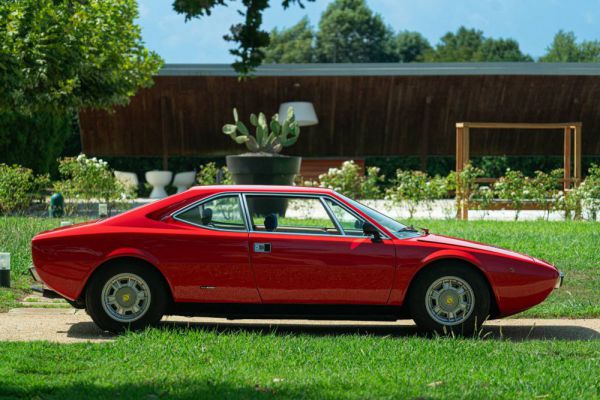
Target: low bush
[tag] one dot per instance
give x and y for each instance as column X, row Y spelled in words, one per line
column 590, row 192
column 411, row 188
column 349, row 181
column 514, row 187
column 543, row 188
column 86, row 179
column 19, row 187
column 493, row 166
column 210, row 174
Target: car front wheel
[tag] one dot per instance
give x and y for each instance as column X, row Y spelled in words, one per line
column 449, row 299
column 126, row 296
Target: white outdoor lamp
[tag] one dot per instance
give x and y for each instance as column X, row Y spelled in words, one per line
column 304, row 112
column 4, row 269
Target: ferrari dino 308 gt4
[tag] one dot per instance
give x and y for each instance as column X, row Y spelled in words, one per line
column 281, row 252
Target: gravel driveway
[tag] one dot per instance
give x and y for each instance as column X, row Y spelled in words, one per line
column 67, row 325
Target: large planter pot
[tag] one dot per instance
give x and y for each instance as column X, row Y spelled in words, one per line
column 262, row 169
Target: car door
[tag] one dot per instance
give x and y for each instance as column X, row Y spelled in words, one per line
column 301, row 254
column 208, row 255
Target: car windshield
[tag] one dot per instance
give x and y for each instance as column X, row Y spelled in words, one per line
column 399, row 230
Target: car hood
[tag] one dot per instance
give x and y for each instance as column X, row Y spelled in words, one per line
column 450, row 241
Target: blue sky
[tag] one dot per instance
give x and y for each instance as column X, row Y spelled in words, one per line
column 532, row 22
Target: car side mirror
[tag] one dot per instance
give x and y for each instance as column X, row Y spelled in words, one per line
column 370, row 230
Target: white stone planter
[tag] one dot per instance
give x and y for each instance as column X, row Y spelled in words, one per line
column 159, row 180
column 183, row 180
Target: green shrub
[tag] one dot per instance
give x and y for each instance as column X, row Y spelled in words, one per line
column 544, row 187
column 465, row 183
column 209, row 175
column 568, row 202
column 413, row 187
column 19, row 187
column 514, row 187
column 492, row 166
column 86, row 179
column 589, row 192
column 348, row 181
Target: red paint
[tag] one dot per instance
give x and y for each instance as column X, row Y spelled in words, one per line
column 300, row 268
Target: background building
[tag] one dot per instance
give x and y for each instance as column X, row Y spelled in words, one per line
column 363, row 109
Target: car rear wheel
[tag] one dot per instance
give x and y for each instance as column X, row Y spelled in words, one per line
column 449, row 299
column 126, row 296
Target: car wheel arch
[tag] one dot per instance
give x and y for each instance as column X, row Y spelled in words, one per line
column 128, row 259
column 439, row 262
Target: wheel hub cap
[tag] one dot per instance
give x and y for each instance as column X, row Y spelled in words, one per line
column 450, row 300
column 126, row 297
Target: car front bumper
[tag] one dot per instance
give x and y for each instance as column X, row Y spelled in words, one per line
column 559, row 280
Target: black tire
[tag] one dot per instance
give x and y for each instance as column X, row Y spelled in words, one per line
column 158, row 303
column 418, row 299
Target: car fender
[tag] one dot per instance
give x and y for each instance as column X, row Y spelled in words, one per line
column 455, row 254
column 131, row 252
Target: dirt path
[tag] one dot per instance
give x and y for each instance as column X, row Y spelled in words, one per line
column 66, row 325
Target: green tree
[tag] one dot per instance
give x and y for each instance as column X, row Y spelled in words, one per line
column 292, row 45
column 63, row 54
column 249, row 38
column 349, row 32
column 57, row 56
column 564, row 48
column 471, row 45
column 411, row 46
column 501, row 50
column 460, row 46
column 34, row 140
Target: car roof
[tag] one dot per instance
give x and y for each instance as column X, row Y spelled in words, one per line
column 261, row 188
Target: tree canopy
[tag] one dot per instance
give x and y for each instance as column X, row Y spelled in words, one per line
column 411, row 46
column 350, row 32
column 292, row 45
column 564, row 48
column 471, row 45
column 64, row 54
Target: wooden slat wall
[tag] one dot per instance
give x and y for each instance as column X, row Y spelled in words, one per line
column 359, row 116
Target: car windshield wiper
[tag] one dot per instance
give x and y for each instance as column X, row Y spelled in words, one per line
column 408, row 228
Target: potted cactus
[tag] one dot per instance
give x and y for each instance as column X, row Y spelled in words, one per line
column 264, row 165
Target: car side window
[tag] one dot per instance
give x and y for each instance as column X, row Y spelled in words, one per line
column 220, row 213
column 290, row 214
column 351, row 225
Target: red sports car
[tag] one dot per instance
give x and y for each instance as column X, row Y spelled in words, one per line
column 281, row 252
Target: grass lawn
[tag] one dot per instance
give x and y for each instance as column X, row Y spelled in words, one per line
column 573, row 246
column 198, row 364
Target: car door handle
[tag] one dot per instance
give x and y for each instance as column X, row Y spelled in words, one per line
column 262, row 247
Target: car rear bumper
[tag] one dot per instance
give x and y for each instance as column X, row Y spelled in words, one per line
column 34, row 274
column 559, row 280
column 42, row 288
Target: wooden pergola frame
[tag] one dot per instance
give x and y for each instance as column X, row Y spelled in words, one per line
column 571, row 151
